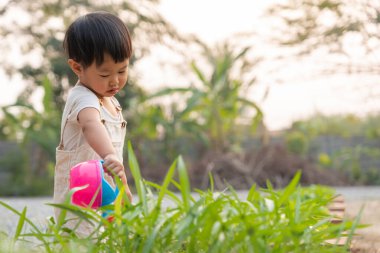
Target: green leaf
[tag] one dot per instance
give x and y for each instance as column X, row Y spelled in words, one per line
column 48, row 98
column 199, row 74
column 290, row 188
column 135, row 170
column 167, row 180
column 169, row 91
column 39, row 235
column 20, row 224
column 184, row 182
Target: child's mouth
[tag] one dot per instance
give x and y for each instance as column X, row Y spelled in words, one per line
column 113, row 91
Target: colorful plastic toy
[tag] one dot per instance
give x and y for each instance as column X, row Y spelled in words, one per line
column 98, row 192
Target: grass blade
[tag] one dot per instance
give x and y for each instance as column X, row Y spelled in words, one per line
column 39, row 235
column 20, row 224
column 167, row 180
column 184, row 182
column 290, row 188
column 170, row 194
column 118, row 205
column 135, row 170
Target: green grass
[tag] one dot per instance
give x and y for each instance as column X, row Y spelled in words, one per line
column 294, row 219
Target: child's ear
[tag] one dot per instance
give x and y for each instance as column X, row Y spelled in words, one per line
column 75, row 67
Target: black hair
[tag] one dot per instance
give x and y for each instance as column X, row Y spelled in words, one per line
column 91, row 36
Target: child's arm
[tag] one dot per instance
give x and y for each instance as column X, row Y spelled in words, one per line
column 97, row 137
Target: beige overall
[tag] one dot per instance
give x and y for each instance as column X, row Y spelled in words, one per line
column 66, row 159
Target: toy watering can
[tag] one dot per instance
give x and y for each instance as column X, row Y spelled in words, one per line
column 97, row 191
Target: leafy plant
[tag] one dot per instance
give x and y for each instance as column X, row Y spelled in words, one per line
column 37, row 134
column 345, row 126
column 216, row 103
column 349, row 160
column 294, row 219
column 343, row 142
column 297, row 142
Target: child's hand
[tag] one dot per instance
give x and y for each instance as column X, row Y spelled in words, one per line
column 114, row 166
column 128, row 192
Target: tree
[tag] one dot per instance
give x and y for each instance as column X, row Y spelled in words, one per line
column 348, row 29
column 40, row 32
column 44, row 66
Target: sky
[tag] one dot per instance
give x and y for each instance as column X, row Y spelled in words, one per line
column 297, row 90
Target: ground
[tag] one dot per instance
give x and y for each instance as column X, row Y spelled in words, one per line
column 368, row 239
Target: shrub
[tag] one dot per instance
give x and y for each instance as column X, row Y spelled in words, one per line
column 297, row 143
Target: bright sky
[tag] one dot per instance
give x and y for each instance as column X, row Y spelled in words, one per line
column 295, row 92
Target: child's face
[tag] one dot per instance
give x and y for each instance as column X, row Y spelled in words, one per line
column 107, row 79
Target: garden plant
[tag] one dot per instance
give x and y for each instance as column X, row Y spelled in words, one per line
column 170, row 218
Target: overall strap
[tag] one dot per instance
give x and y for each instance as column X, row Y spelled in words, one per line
column 118, row 108
column 65, row 118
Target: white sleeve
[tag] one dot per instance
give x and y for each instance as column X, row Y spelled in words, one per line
column 82, row 98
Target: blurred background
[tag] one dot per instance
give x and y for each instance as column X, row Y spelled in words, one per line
column 248, row 91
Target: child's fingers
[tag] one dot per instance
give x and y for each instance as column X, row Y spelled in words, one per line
column 110, row 164
column 109, row 170
column 113, row 166
column 126, row 187
column 129, row 195
column 116, row 171
column 121, row 175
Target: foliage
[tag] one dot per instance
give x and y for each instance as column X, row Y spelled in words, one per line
column 44, row 67
column 350, row 159
column 16, row 180
column 208, row 116
column 331, row 25
column 344, row 142
column 211, row 108
column 294, row 219
column 344, row 126
column 37, row 134
column 297, row 143
column 348, row 31
column 42, row 32
column 324, row 160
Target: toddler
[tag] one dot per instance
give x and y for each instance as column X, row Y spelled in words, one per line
column 98, row 47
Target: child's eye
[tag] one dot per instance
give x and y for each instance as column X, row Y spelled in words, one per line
column 104, row 75
column 121, row 72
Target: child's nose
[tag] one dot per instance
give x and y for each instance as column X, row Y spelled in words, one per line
column 114, row 81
